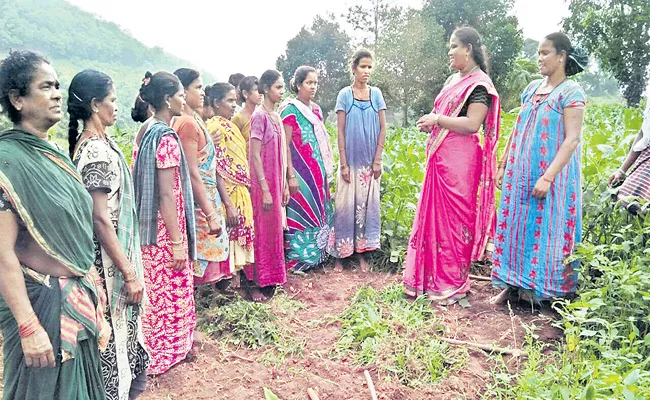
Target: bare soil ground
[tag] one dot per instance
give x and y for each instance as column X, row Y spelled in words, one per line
column 223, row 372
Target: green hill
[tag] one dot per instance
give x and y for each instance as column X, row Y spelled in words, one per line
column 74, row 40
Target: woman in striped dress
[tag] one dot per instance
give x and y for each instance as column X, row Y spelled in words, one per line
column 539, row 218
column 637, row 184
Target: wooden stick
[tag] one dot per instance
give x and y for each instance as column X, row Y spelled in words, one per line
column 486, row 347
column 371, row 386
column 480, row 278
column 312, row 394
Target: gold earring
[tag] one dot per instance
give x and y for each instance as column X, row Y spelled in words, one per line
column 96, row 111
column 169, row 105
column 466, row 57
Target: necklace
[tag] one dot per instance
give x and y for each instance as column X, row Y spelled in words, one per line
column 270, row 114
column 470, row 71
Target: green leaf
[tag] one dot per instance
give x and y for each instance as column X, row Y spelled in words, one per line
column 590, row 392
column 269, row 395
column 464, row 303
column 632, row 377
column 628, row 394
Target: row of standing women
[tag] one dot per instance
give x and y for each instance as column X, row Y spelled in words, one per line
column 216, row 196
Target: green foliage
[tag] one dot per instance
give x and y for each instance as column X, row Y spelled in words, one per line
column 370, row 19
column 383, row 328
column 269, row 395
column 618, row 34
column 325, row 47
column 410, row 55
column 530, row 49
column 53, row 27
column 522, row 73
column 494, row 22
column 606, row 350
column 253, row 325
column 404, row 161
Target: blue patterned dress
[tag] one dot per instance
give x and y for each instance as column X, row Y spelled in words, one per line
column 534, row 237
column 357, row 223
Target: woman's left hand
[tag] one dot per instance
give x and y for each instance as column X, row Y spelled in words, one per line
column 376, row 170
column 285, row 196
column 232, row 216
column 293, row 185
column 541, row 188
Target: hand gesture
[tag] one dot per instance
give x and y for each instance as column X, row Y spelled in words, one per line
column 232, row 217
column 293, row 185
column 376, row 169
column 215, row 227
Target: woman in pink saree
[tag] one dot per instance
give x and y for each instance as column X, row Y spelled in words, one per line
column 455, row 214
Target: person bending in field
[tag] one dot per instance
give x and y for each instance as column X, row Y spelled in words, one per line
column 52, row 301
column 361, row 116
column 637, row 184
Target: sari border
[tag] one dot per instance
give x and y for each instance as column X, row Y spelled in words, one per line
column 6, row 185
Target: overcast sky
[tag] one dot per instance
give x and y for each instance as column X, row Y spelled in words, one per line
column 258, row 30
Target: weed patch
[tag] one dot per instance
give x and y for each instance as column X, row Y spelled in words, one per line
column 398, row 336
column 252, row 325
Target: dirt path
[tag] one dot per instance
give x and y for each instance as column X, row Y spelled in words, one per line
column 228, row 373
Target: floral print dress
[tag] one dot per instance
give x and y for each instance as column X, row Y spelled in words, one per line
column 357, row 222
column 169, row 318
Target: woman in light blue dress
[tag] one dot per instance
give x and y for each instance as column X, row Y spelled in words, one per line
column 360, row 111
column 539, row 219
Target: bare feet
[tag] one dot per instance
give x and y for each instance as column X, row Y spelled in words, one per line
column 365, row 266
column 256, row 295
column 338, row 265
column 501, row 297
column 235, row 282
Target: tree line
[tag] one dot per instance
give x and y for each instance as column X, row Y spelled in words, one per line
column 410, row 47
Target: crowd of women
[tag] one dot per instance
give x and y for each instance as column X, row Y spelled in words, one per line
column 231, row 184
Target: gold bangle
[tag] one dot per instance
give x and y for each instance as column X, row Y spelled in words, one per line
column 133, row 276
column 175, row 242
column 212, row 216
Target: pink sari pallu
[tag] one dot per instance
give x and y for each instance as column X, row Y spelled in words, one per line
column 455, row 214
